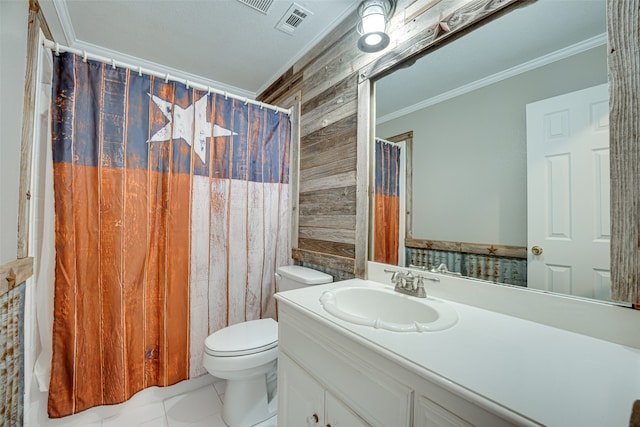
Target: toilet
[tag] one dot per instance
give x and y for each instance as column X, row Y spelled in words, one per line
column 245, row 354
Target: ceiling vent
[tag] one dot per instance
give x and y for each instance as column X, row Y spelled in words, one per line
column 259, row 5
column 293, row 18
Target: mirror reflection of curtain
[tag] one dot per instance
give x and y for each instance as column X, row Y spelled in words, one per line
column 172, row 212
column 386, row 203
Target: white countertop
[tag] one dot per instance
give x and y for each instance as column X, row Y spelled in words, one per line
column 552, row 376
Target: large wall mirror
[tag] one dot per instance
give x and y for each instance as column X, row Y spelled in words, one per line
column 491, row 156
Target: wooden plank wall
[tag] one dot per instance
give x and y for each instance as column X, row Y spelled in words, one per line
column 17, row 271
column 623, row 26
column 14, row 273
column 469, row 248
column 36, row 23
column 333, row 80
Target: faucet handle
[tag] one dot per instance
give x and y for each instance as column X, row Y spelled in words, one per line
column 442, row 268
column 394, row 275
column 419, row 287
column 409, row 280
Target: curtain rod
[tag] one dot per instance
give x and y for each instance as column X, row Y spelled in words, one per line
column 384, row 140
column 57, row 48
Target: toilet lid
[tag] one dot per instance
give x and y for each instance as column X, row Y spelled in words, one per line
column 243, row 338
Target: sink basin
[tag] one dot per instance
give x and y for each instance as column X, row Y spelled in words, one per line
column 386, row 309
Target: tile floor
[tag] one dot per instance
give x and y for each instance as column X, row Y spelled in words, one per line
column 201, row 407
column 198, row 407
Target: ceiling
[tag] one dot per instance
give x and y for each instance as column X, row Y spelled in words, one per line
column 535, row 34
column 226, row 43
column 231, row 46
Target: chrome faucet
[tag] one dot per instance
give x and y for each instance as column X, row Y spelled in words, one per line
column 408, row 284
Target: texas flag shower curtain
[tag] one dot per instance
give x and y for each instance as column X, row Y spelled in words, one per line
column 172, row 213
column 386, row 203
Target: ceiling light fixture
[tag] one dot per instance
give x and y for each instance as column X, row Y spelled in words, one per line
column 374, row 15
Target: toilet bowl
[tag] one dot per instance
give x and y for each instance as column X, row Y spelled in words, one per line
column 245, row 354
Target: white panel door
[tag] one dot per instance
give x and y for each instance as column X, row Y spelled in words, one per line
column 339, row 415
column 301, row 398
column 568, row 193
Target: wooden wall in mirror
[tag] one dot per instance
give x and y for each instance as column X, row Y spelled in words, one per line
column 495, row 147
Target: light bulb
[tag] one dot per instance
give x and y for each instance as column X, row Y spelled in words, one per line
column 373, row 39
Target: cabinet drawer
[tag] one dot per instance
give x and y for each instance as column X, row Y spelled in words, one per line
column 376, row 397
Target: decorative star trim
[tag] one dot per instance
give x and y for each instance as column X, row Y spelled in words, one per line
column 492, row 250
column 442, row 26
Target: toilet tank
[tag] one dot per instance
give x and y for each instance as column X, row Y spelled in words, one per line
column 290, row 277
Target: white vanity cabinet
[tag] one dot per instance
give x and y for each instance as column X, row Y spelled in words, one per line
column 340, row 415
column 308, row 403
column 324, row 371
column 430, row 414
column 489, row 369
column 343, row 379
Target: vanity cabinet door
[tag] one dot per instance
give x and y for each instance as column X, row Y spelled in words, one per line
column 339, row 415
column 303, row 402
column 300, row 397
column 430, row 414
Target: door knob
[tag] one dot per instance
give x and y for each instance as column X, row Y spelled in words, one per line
column 537, row 250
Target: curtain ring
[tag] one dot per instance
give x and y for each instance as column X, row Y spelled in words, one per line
column 140, row 70
column 166, row 78
column 261, row 106
column 186, row 82
column 246, row 101
column 225, row 95
column 84, row 56
column 57, row 49
column 113, row 64
column 208, row 90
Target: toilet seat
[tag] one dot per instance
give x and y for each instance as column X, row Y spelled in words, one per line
column 251, row 337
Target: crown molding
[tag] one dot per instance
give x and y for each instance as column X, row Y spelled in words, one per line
column 65, row 21
column 558, row 55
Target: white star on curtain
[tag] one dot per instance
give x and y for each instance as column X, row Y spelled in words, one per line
column 186, row 122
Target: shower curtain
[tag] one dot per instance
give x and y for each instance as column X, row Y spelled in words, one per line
column 172, row 213
column 387, row 203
